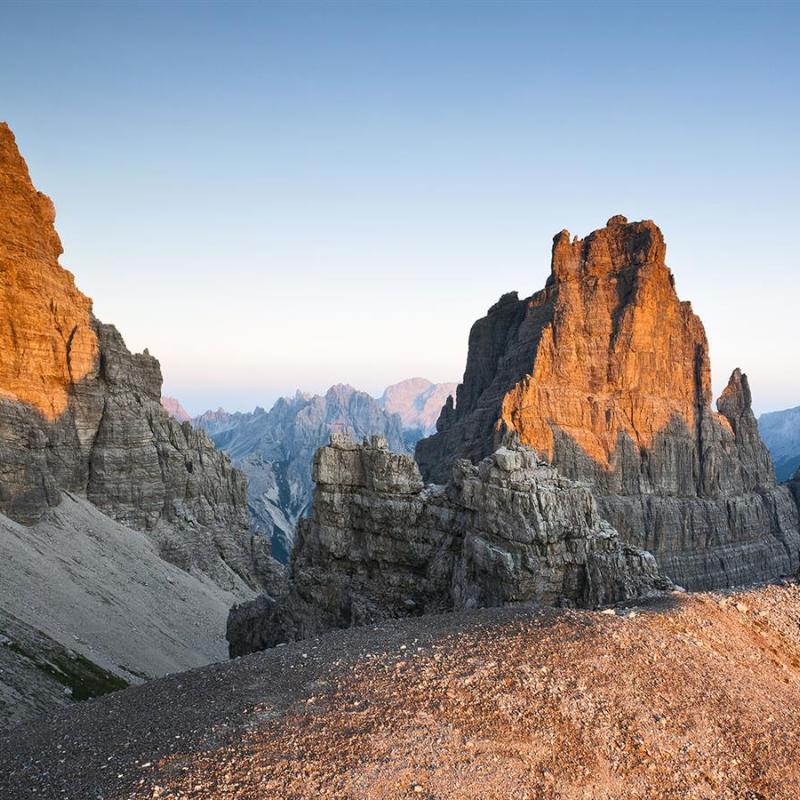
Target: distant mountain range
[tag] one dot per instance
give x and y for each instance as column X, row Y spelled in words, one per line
column 275, row 448
column 780, row 431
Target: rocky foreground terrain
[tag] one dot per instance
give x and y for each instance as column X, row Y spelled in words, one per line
column 691, row 696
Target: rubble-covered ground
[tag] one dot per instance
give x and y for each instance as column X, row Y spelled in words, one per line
column 689, row 696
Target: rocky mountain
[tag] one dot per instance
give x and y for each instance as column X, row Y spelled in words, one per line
column 606, row 374
column 83, row 432
column 418, row 402
column 780, row 431
column 380, row 544
column 275, row 450
column 175, row 409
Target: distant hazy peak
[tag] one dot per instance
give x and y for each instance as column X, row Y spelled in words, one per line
column 417, row 401
column 173, row 407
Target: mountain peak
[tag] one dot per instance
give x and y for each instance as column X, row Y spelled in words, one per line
column 48, row 341
column 605, row 373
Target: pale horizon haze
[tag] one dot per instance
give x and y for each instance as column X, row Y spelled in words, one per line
column 273, row 196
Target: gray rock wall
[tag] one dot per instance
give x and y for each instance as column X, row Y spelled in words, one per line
column 380, row 543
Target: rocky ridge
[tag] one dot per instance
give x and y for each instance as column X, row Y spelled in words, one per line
column 606, row 374
column 124, row 533
column 382, row 544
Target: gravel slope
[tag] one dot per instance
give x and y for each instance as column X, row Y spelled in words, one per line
column 101, row 590
column 696, row 696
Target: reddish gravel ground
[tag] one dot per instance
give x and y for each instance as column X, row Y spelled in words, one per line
column 695, row 696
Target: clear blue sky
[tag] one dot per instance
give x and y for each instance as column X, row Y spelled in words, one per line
column 272, row 196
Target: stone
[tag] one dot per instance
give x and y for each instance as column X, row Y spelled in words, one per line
column 605, row 374
column 381, row 544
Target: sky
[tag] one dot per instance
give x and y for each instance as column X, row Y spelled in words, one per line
column 272, row 196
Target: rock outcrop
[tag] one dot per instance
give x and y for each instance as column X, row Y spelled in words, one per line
column 418, row 402
column 606, row 374
column 275, row 450
column 80, row 413
column 382, row 544
column 780, row 431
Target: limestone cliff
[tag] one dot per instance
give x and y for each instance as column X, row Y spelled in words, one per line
column 80, row 413
column 381, row 544
column 605, row 372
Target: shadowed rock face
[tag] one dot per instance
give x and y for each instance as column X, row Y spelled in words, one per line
column 605, row 373
column 79, row 412
column 381, row 544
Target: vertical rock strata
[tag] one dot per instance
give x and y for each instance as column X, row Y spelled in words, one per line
column 381, row 544
column 80, row 413
column 606, row 374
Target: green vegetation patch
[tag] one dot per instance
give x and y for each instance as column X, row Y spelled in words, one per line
column 82, row 677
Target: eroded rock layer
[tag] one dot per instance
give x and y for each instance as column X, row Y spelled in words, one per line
column 605, row 372
column 79, row 412
column 382, row 544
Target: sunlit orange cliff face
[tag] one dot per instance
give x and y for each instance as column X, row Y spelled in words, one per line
column 621, row 354
column 605, row 373
column 47, row 341
column 80, row 413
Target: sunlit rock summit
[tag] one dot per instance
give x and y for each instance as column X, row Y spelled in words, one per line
column 124, row 534
column 605, row 372
column 79, row 412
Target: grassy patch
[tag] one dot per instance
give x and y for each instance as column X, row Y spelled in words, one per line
column 83, row 677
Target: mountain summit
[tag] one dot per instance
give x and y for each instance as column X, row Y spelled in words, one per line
column 605, row 372
column 124, row 534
